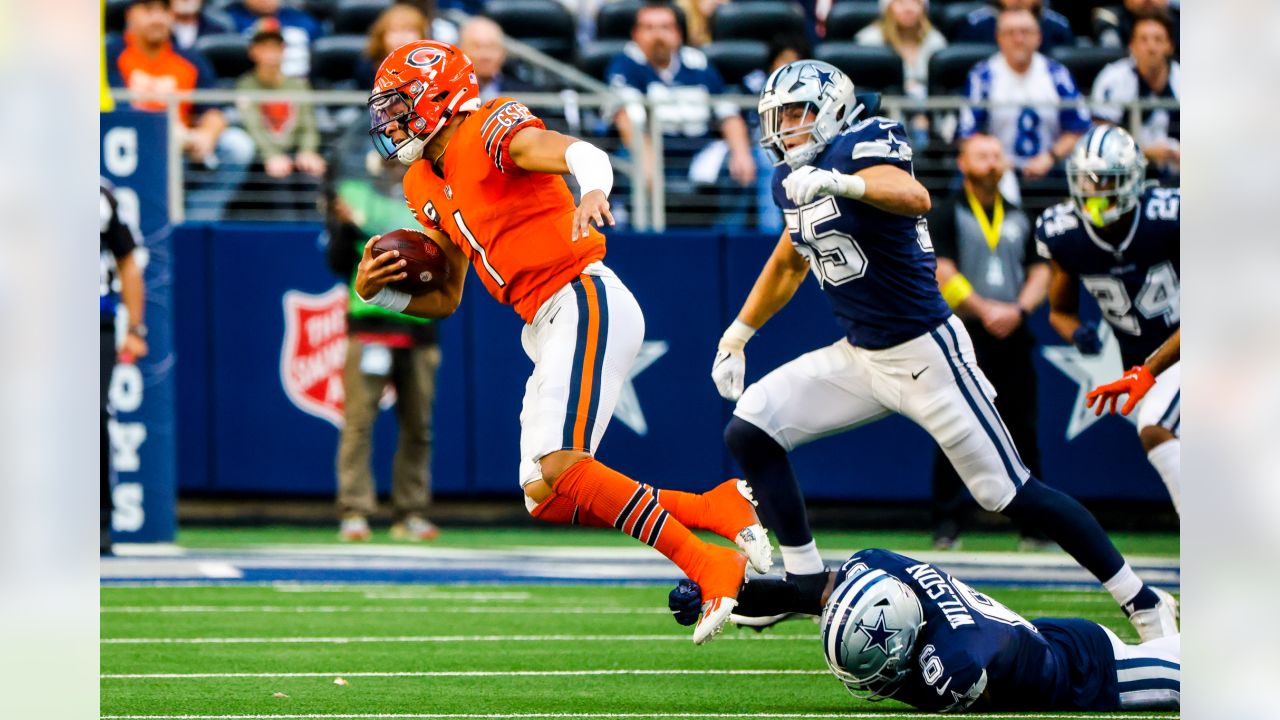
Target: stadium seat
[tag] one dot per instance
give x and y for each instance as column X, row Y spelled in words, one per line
column 114, row 15
column 949, row 67
column 756, row 20
column 1086, row 62
column 322, row 10
column 354, row 17
column 847, row 17
column 542, row 24
column 334, row 60
column 615, row 19
column 947, row 16
column 228, row 54
column 593, row 58
column 870, row 68
column 735, row 59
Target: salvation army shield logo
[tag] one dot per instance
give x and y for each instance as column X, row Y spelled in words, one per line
column 315, row 349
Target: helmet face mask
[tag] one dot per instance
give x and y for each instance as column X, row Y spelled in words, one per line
column 804, row 98
column 869, row 631
column 419, row 88
column 1105, row 174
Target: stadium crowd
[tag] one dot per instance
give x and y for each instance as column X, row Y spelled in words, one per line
column 264, row 157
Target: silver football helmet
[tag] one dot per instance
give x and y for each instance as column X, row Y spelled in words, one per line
column 1106, row 173
column 869, row 630
column 821, row 95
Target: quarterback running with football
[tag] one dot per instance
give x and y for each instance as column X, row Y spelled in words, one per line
column 485, row 183
column 853, row 212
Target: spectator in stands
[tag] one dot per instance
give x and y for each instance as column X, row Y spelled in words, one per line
column 284, row 131
column 298, row 28
column 365, row 199
column 993, row 277
column 656, row 64
column 146, row 61
column 482, row 40
column 1113, row 25
column 904, row 27
column 192, row 22
column 1027, row 89
column 697, row 16
column 980, row 25
column 1149, row 72
column 400, row 24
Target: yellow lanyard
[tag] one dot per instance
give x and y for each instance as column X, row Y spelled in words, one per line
column 990, row 227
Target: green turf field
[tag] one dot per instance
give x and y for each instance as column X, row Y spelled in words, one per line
column 472, row 651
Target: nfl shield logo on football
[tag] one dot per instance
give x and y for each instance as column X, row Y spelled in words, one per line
column 314, row 351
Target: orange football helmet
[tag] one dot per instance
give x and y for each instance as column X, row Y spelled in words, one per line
column 418, row 88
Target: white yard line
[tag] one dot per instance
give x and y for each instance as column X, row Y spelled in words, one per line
column 452, row 673
column 611, row 715
column 439, row 639
column 366, row 609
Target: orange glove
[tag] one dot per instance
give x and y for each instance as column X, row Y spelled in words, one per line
column 1136, row 383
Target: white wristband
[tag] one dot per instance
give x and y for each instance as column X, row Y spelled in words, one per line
column 389, row 298
column 590, row 166
column 850, row 186
column 736, row 336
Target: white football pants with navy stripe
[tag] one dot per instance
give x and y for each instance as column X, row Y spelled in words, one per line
column 1162, row 405
column 582, row 341
column 933, row 380
column 1149, row 676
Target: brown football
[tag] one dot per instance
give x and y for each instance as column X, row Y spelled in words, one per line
column 425, row 263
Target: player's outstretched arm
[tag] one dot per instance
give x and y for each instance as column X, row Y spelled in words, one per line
column 775, row 287
column 1169, row 352
column 1138, row 380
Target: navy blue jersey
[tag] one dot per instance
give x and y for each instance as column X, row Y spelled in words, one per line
column 975, row 653
column 1135, row 281
column 877, row 268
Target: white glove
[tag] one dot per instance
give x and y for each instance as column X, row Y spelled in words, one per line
column 807, row 183
column 729, row 370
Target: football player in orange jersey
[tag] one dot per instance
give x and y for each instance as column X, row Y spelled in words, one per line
column 485, row 183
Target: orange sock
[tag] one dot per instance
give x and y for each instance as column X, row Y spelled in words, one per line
column 722, row 509
column 610, row 495
column 564, row 511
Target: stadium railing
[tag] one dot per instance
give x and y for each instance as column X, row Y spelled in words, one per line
column 671, row 199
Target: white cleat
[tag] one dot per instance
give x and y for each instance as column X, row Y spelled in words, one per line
column 1159, row 621
column 754, row 539
column 715, row 613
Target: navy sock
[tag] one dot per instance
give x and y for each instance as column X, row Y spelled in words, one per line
column 1144, row 600
column 766, row 469
column 1069, row 524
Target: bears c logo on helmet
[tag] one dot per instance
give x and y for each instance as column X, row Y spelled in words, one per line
column 424, row 57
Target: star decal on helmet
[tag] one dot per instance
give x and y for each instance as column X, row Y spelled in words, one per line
column 824, row 79
column 878, row 635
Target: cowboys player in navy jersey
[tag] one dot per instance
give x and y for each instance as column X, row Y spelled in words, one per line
column 854, row 211
column 1121, row 241
column 897, row 627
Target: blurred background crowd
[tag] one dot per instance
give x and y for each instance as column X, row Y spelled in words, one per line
column 597, row 68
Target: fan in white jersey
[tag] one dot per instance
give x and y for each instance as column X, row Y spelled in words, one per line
column 1029, row 97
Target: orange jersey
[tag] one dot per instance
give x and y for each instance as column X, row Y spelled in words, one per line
column 513, row 225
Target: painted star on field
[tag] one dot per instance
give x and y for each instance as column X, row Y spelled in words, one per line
column 1088, row 371
column 628, row 410
column 878, row 635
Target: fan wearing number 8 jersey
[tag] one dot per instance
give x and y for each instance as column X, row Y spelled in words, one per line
column 854, row 220
column 1121, row 242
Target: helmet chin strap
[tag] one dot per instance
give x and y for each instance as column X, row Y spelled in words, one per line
column 411, row 152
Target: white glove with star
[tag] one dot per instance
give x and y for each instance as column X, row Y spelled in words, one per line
column 807, row 183
column 729, row 371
